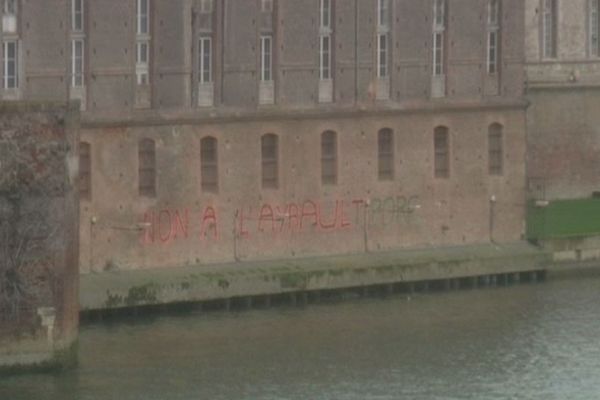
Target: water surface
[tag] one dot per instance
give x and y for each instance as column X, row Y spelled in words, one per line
column 523, row 342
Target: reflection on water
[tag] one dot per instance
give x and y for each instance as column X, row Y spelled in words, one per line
column 523, row 342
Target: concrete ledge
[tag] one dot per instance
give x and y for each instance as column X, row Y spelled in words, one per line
column 120, row 289
column 564, row 255
column 94, row 120
column 36, row 356
column 37, row 106
column 573, row 256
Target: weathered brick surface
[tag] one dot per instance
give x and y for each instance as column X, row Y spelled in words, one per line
column 236, row 26
column 563, row 126
column 564, row 143
column 39, row 217
column 184, row 225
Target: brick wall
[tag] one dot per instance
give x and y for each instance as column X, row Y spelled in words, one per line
column 562, row 121
column 184, row 224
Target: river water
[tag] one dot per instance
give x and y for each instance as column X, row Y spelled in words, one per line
column 532, row 341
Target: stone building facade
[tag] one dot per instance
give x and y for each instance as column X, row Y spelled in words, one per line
column 224, row 130
column 563, row 85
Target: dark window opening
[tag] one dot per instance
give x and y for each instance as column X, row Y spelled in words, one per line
column 329, row 158
column 495, row 149
column 270, row 169
column 209, row 167
column 85, row 171
column 147, row 168
column 385, row 155
column 442, row 152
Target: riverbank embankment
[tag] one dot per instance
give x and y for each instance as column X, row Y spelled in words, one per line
column 444, row 268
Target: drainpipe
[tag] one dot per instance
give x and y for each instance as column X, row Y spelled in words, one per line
column 93, row 221
column 366, row 225
column 492, row 213
column 235, row 237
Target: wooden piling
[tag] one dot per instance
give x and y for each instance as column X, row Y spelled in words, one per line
column 227, row 304
column 248, row 302
column 388, row 290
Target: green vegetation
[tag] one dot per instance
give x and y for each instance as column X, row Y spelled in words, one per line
column 145, row 294
column 563, row 219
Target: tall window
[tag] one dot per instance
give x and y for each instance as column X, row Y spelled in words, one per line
column 209, row 166
column 441, row 146
column 85, row 171
column 205, row 62
column 269, row 156
column 325, row 13
column 142, row 62
column 266, row 86
column 147, row 168
column 78, row 44
column 325, row 57
column 439, row 37
column 594, row 26
column 549, row 28
column 206, row 6
column 382, row 55
column 10, row 7
column 495, row 149
column 385, row 154
column 10, row 64
column 77, row 15
column 383, row 16
column 142, row 17
column 383, row 12
column 77, row 62
column 266, row 6
column 329, row 158
column 266, row 52
column 142, row 42
column 9, row 18
column 325, row 40
column 493, row 36
column 326, row 49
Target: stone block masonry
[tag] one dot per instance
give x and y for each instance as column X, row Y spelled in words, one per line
column 39, row 243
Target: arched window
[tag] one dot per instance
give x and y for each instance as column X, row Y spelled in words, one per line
column 147, row 168
column 270, row 160
column 441, row 145
column 495, row 149
column 329, row 158
column 209, row 165
column 85, row 171
column 385, row 154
